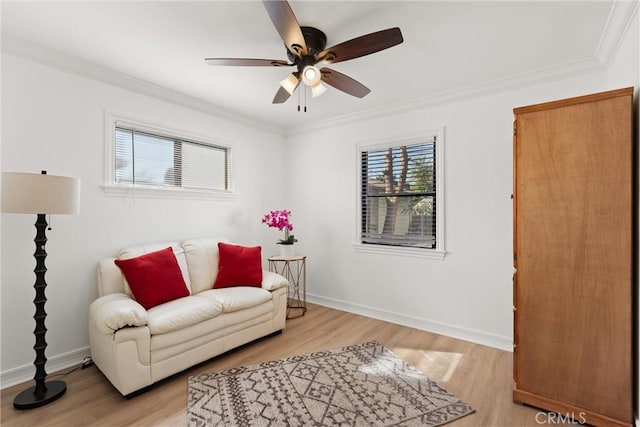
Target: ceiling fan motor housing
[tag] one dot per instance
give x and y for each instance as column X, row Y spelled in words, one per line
column 316, row 41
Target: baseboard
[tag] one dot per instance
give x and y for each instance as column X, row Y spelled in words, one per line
column 466, row 334
column 22, row 374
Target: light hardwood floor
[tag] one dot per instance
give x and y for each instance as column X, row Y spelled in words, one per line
column 479, row 375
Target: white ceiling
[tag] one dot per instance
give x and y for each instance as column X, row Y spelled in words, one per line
column 448, row 46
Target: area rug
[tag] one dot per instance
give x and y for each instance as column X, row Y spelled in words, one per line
column 360, row 385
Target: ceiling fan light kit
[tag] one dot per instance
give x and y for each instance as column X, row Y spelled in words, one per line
column 290, row 83
column 306, row 48
column 311, row 75
column 318, row 90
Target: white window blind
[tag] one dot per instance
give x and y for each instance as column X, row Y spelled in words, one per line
column 398, row 195
column 150, row 159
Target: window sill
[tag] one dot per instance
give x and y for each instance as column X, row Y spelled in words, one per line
column 165, row 193
column 400, row 251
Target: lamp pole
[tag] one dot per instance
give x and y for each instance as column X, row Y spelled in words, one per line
column 42, row 392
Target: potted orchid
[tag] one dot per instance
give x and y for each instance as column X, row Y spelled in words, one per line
column 280, row 220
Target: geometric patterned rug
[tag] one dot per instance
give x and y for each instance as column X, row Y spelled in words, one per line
column 360, row 385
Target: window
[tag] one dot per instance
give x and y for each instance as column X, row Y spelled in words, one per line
column 156, row 161
column 399, row 194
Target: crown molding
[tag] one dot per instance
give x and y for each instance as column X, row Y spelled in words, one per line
column 583, row 66
column 618, row 23
column 61, row 61
column 620, row 19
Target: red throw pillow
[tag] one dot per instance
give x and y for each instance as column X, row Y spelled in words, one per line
column 154, row 278
column 239, row 266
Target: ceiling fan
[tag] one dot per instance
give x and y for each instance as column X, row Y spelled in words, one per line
column 306, row 50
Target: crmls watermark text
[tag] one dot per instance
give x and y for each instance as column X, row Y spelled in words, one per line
column 568, row 418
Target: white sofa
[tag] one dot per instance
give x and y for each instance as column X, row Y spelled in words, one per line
column 135, row 348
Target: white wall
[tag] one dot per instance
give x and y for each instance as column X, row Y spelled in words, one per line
column 469, row 294
column 55, row 121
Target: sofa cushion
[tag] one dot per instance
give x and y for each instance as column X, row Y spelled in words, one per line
column 154, row 278
column 202, row 259
column 237, row 298
column 180, row 313
column 239, row 266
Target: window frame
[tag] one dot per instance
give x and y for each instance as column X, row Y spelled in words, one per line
column 112, row 188
column 437, row 253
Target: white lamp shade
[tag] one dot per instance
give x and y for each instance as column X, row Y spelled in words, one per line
column 290, row 83
column 39, row 193
column 318, row 90
column 311, row 75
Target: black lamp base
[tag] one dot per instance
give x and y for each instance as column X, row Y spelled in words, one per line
column 28, row 399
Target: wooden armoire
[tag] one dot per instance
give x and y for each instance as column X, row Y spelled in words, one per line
column 573, row 285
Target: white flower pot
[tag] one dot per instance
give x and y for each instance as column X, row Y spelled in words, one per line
column 287, row 251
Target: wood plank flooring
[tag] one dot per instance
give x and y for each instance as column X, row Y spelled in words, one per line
column 479, row 375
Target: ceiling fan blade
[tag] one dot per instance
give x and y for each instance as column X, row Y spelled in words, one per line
column 247, row 62
column 287, row 25
column 281, row 96
column 344, row 83
column 361, row 46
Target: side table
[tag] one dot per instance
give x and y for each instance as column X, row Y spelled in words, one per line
column 294, row 268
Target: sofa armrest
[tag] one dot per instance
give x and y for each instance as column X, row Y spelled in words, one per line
column 272, row 281
column 116, row 311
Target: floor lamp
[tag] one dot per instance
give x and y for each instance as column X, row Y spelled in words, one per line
column 40, row 194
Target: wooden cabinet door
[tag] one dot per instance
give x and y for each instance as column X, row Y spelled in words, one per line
column 573, row 257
